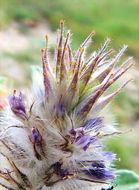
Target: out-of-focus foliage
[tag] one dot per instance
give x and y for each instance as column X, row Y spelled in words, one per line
column 126, row 180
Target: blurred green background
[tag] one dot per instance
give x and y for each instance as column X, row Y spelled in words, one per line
column 23, row 24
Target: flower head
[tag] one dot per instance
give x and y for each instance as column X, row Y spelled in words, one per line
column 56, row 142
column 17, row 105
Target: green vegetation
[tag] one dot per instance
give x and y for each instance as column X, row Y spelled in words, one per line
column 126, row 180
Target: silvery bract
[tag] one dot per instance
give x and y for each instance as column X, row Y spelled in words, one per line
column 54, row 138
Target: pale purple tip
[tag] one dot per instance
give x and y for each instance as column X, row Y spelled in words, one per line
column 35, row 135
column 17, row 105
column 100, row 173
column 84, row 141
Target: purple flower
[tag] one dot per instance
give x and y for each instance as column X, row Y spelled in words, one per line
column 95, row 124
column 110, row 156
column 84, row 141
column 17, row 105
column 98, row 165
column 59, row 109
column 77, row 132
column 35, row 135
column 100, row 173
column 81, row 139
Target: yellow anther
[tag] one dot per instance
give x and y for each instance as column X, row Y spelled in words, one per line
column 100, row 133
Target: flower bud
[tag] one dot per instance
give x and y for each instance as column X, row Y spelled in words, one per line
column 17, row 105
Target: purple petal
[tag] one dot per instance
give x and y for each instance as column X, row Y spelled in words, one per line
column 98, row 165
column 17, row 105
column 35, row 135
column 100, row 173
column 78, row 132
column 59, row 108
column 84, row 141
column 95, row 123
column 109, row 156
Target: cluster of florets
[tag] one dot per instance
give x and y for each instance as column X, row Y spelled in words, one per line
column 55, row 140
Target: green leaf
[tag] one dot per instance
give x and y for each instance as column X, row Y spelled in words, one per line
column 126, row 180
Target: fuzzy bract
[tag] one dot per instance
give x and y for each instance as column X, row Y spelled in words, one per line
column 53, row 139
